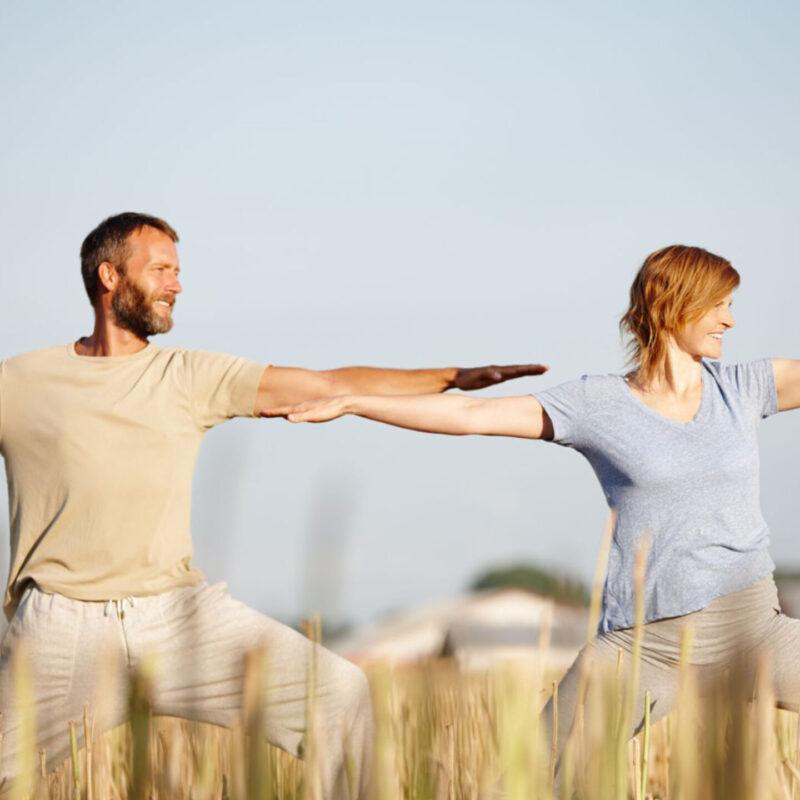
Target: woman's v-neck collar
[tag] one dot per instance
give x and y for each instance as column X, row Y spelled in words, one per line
column 699, row 414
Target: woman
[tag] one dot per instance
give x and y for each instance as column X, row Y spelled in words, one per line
column 673, row 444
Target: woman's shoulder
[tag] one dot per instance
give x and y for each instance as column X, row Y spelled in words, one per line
column 739, row 372
column 591, row 382
column 753, row 382
column 574, row 406
column 588, row 388
column 600, row 382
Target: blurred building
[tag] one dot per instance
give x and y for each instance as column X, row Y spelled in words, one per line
column 477, row 630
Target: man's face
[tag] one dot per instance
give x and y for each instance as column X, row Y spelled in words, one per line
column 148, row 285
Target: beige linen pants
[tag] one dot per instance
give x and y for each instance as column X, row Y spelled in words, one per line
column 199, row 636
column 743, row 624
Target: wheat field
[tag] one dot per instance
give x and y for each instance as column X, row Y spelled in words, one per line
column 447, row 734
column 443, row 734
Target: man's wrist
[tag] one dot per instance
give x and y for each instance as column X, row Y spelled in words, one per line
column 449, row 376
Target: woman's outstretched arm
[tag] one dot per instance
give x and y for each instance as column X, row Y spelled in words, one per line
column 787, row 382
column 456, row 415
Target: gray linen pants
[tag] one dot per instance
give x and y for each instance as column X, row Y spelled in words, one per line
column 746, row 624
column 199, row 636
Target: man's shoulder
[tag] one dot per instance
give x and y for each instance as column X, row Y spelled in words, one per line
column 189, row 352
column 36, row 358
column 64, row 356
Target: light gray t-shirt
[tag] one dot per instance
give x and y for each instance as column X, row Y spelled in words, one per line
column 693, row 487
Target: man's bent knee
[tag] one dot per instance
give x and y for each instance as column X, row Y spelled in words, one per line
column 354, row 687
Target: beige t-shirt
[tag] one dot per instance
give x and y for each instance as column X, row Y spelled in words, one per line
column 99, row 456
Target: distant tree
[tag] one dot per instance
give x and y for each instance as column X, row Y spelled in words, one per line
column 561, row 587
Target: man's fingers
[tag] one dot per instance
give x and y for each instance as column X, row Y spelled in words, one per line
column 480, row 377
column 521, row 370
column 510, row 372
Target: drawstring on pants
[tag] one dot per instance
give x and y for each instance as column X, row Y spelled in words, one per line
column 118, row 606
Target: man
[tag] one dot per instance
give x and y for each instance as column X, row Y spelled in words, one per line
column 100, row 439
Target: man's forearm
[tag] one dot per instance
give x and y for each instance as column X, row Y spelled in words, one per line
column 282, row 386
column 374, row 380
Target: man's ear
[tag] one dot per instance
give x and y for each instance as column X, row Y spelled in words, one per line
column 108, row 276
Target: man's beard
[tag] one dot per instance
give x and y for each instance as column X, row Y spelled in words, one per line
column 133, row 310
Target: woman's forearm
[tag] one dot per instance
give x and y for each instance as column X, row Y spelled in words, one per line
column 456, row 415
column 431, row 413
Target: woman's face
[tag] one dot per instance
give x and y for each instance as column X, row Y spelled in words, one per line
column 703, row 337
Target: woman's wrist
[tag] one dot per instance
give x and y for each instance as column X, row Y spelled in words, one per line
column 351, row 404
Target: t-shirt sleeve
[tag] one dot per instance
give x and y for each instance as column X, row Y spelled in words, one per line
column 754, row 382
column 221, row 386
column 566, row 406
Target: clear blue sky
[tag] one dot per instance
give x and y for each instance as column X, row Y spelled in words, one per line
column 415, row 184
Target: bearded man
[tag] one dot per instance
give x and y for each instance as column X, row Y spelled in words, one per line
column 100, row 439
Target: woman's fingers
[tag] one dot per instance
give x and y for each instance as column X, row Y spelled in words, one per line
column 314, row 411
column 278, row 411
column 300, row 415
column 306, row 416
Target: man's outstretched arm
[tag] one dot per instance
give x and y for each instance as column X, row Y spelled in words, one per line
column 281, row 386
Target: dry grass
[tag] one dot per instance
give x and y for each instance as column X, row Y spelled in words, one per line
column 445, row 734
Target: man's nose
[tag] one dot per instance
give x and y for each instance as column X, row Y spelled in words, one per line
column 174, row 285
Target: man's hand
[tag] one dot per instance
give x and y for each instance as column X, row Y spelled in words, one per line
column 480, row 377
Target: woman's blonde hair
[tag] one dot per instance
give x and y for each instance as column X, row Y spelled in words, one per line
column 675, row 285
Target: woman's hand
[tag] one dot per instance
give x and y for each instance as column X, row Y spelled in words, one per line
column 312, row 410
